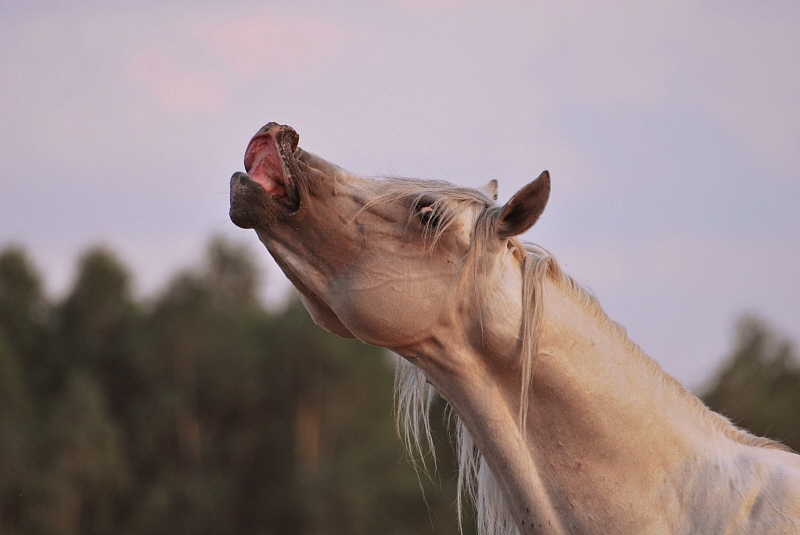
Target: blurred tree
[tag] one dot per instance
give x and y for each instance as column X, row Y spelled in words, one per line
column 96, row 309
column 23, row 309
column 202, row 365
column 758, row 387
column 196, row 412
column 23, row 313
column 15, row 463
column 89, row 473
column 95, row 329
column 232, row 277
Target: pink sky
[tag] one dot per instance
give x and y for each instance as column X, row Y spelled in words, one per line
column 672, row 133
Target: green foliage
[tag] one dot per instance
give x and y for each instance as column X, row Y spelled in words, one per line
column 196, row 412
column 759, row 386
column 22, row 305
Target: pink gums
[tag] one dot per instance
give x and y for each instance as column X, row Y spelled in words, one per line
column 263, row 163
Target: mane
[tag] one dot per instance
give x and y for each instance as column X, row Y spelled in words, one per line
column 592, row 306
column 414, row 396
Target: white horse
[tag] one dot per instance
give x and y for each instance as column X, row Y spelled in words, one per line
column 564, row 425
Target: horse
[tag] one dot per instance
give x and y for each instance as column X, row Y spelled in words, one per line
column 563, row 424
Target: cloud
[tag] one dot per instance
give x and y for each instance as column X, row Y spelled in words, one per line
column 421, row 6
column 201, row 66
column 261, row 44
column 176, row 88
column 748, row 82
column 734, row 66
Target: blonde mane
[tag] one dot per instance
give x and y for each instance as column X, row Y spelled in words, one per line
column 414, row 395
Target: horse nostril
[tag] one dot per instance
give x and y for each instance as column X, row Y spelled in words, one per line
column 238, row 175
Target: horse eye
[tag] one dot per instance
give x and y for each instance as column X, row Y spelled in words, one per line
column 429, row 216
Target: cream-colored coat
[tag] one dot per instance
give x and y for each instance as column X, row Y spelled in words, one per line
column 565, row 426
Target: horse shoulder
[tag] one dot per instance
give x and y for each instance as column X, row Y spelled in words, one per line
column 742, row 490
column 776, row 506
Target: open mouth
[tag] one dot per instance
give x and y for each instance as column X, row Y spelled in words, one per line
column 268, row 188
column 263, row 163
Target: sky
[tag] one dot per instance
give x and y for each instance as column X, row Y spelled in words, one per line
column 671, row 131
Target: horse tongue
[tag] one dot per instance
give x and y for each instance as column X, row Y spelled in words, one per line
column 263, row 164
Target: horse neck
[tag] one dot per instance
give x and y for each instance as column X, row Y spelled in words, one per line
column 589, row 379
column 608, row 429
column 605, row 426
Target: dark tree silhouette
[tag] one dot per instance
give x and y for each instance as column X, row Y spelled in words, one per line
column 197, row 411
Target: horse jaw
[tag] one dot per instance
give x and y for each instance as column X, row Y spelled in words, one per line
column 320, row 312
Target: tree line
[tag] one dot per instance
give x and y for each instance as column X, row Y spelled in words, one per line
column 201, row 411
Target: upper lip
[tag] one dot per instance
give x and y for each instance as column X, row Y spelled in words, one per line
column 265, row 162
column 249, row 153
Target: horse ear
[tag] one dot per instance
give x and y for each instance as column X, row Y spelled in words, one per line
column 490, row 189
column 524, row 208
